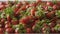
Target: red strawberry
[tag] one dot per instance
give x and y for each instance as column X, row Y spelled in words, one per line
column 27, row 19
column 1, row 30
column 24, row 20
column 9, row 18
column 14, row 22
column 50, row 14
column 0, row 3
column 2, row 20
column 33, row 4
column 23, row 7
column 9, row 30
column 19, row 5
column 38, row 1
column 33, row 12
column 49, row 3
column 46, row 8
column 7, row 22
column 4, row 3
column 28, row 30
column 2, row 7
column 58, row 3
column 25, row 3
column 27, row 6
column 55, row 7
column 53, row 30
column 8, row 25
column 52, row 24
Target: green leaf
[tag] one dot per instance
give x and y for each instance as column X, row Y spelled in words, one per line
column 58, row 13
column 9, row 11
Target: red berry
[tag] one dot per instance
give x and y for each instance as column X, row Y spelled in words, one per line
column 2, row 20
column 9, row 30
column 14, row 22
column 8, row 25
column 1, row 30
column 27, row 20
column 33, row 12
column 49, row 3
column 50, row 14
column 23, row 7
column 19, row 5
column 9, row 18
column 2, row 7
column 46, row 8
column 33, row 4
column 53, row 30
column 55, row 7
column 28, row 30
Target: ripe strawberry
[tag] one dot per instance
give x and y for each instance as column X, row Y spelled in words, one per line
column 27, row 6
column 19, row 5
column 53, row 30
column 4, row 3
column 52, row 24
column 0, row 3
column 1, row 30
column 38, row 1
column 25, row 3
column 58, row 3
column 23, row 7
column 8, row 25
column 2, row 7
column 55, row 7
column 9, row 18
column 10, row 30
column 33, row 12
column 50, row 14
column 24, row 20
column 46, row 8
column 14, row 22
column 7, row 22
column 28, row 30
column 50, row 3
column 16, row 9
column 27, row 20
column 2, row 21
column 33, row 4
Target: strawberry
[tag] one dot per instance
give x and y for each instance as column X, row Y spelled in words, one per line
column 24, row 20
column 23, row 7
column 53, row 30
column 2, row 7
column 46, row 8
column 9, row 18
column 1, row 30
column 28, row 30
column 14, row 22
column 25, row 3
column 50, row 14
column 8, row 25
column 55, row 7
column 50, row 3
column 10, row 30
column 33, row 4
column 2, row 20
column 33, row 12
column 7, row 22
column 19, row 5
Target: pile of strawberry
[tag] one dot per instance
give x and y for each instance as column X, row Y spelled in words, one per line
column 29, row 17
